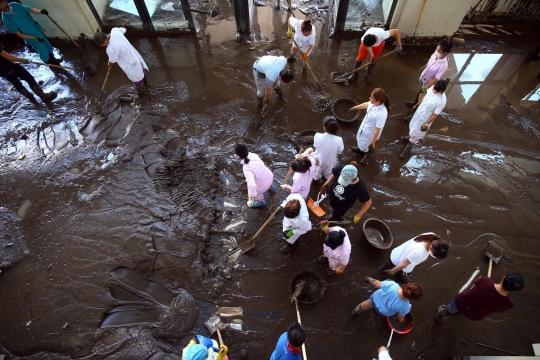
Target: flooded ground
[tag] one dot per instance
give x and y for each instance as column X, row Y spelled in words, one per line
column 118, row 230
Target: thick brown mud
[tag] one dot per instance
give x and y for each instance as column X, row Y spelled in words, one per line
column 119, row 228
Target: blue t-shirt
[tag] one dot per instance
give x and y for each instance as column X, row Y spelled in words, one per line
column 270, row 66
column 20, row 20
column 387, row 301
column 282, row 352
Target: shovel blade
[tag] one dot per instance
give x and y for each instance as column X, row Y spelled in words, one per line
column 494, row 251
column 214, row 323
column 247, row 245
column 317, row 210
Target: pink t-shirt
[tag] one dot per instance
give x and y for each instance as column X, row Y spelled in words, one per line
column 340, row 255
column 302, row 181
column 435, row 69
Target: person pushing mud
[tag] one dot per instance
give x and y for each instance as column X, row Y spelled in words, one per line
column 122, row 52
column 304, row 35
column 269, row 72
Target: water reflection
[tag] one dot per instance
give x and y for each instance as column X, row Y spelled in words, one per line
column 480, row 67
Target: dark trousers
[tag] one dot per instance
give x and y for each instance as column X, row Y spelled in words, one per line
column 337, row 214
column 387, row 266
column 17, row 74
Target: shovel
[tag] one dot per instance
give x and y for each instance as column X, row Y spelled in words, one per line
column 314, row 205
column 494, row 252
column 343, row 78
column 215, row 324
column 247, row 244
column 297, row 291
column 51, row 65
column 308, row 66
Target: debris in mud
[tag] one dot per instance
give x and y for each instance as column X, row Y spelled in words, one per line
column 13, row 247
column 305, row 139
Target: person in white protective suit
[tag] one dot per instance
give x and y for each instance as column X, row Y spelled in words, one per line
column 120, row 51
column 430, row 107
column 371, row 128
column 296, row 220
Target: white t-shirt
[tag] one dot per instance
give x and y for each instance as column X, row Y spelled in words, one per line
column 271, row 67
column 384, row 355
column 414, row 251
column 303, row 41
column 327, row 148
column 380, row 33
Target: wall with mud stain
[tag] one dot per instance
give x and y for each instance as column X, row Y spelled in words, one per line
column 503, row 10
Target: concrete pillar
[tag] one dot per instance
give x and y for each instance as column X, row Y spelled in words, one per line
column 429, row 18
column 74, row 16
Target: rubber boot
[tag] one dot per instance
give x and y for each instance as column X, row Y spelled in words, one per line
column 279, row 93
column 45, row 97
column 27, row 94
column 354, row 76
column 286, row 249
column 441, row 313
column 54, row 61
column 412, row 103
column 406, row 151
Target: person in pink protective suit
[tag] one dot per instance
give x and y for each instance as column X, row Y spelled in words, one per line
column 258, row 177
column 336, row 248
column 304, row 172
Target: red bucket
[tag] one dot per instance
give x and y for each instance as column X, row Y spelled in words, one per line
column 409, row 321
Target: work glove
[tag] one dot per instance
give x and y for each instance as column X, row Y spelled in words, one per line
column 38, row 39
column 222, row 352
column 283, row 186
column 250, row 202
column 299, row 156
column 339, row 272
column 424, row 90
column 355, row 219
column 389, row 272
column 304, row 57
column 25, row 61
column 323, row 189
column 369, row 280
column 288, row 234
column 289, row 33
column 399, row 48
column 371, row 149
column 324, row 225
column 44, row 12
column 424, row 127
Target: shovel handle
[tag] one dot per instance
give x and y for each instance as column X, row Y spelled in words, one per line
column 363, row 66
column 490, row 267
column 307, row 64
column 51, row 65
column 219, row 337
column 69, row 37
column 265, row 223
column 300, row 322
column 104, row 83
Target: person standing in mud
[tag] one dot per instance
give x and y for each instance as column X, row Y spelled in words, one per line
column 269, row 72
column 344, row 192
column 258, row 177
column 327, row 148
column 295, row 221
column 336, row 248
column 14, row 73
column 390, row 299
column 122, row 52
column 304, row 171
column 289, row 345
column 431, row 106
column 371, row 46
column 371, row 128
column 17, row 19
column 431, row 72
column 415, row 251
column 304, row 35
column 484, row 299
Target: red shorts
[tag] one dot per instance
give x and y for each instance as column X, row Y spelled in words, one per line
column 362, row 52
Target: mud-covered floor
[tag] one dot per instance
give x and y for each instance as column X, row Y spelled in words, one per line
column 116, row 234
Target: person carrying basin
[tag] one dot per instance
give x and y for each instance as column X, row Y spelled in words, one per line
column 14, row 73
column 431, row 72
column 258, row 177
column 304, row 171
column 289, row 345
column 344, row 192
column 327, row 148
column 269, row 72
column 371, row 128
column 295, row 221
column 336, row 248
column 404, row 258
column 371, row 46
column 122, row 52
column 484, row 299
column 390, row 299
column 304, row 35
column 17, row 19
column 432, row 105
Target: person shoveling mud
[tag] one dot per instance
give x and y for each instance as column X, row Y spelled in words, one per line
column 14, row 73
column 269, row 72
column 304, row 38
column 122, row 52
